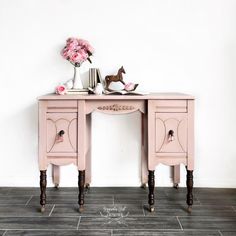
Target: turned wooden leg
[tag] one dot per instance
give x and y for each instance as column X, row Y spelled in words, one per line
column 56, row 175
column 43, row 185
column 81, row 189
column 151, row 186
column 176, row 176
column 189, row 183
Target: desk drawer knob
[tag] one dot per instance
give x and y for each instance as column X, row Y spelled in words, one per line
column 171, row 136
column 61, row 133
column 59, row 137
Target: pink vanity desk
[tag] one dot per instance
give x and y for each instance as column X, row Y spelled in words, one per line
column 167, row 135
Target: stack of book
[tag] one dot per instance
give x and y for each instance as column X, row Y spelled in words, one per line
column 94, row 77
column 124, row 92
column 77, row 91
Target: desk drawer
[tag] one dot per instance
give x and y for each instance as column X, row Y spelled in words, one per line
column 170, row 106
column 61, row 132
column 62, row 106
column 171, row 132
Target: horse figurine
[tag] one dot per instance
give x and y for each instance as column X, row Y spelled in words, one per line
column 115, row 78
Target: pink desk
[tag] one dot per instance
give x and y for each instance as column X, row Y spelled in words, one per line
column 167, row 135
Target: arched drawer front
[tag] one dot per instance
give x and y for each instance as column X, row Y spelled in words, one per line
column 171, row 132
column 61, row 132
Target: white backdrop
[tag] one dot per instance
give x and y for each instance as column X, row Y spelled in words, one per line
column 164, row 45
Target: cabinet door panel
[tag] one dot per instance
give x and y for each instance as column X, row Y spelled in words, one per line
column 67, row 141
column 171, row 132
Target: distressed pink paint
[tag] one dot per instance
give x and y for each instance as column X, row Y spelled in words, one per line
column 161, row 112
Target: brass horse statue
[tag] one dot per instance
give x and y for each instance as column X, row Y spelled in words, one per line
column 115, row 78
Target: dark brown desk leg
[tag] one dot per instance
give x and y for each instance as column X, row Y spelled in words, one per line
column 189, row 189
column 43, row 185
column 151, row 186
column 81, row 189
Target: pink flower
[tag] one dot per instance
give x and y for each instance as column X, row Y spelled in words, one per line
column 78, row 57
column 86, row 46
column 60, row 89
column 129, row 86
column 72, row 41
column 83, row 54
column 66, row 53
column 71, row 46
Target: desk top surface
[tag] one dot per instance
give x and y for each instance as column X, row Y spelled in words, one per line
column 151, row 96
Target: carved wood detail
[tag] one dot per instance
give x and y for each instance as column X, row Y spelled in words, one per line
column 116, row 107
column 57, row 122
column 176, row 123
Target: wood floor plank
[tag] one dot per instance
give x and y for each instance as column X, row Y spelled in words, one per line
column 23, row 191
column 158, row 233
column 73, row 199
column 11, row 199
column 96, row 210
column 2, row 232
column 139, row 196
column 197, row 210
column 120, row 190
column 206, row 222
column 216, row 196
column 51, row 191
column 129, row 222
column 39, row 223
column 59, row 233
column 162, row 201
column 4, row 190
column 218, row 199
column 23, row 211
column 215, row 191
column 228, row 233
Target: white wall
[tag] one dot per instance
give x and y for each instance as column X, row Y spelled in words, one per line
column 165, row 45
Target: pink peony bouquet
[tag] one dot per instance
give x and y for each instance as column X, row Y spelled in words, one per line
column 77, row 51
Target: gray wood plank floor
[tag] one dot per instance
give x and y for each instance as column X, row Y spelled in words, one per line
column 117, row 211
